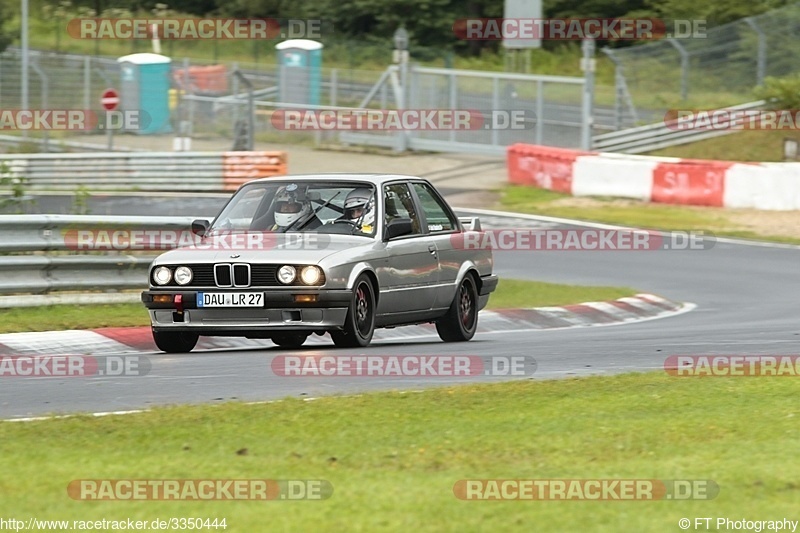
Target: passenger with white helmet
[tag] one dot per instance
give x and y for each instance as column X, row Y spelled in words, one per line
column 359, row 209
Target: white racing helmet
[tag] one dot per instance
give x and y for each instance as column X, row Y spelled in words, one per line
column 358, row 207
column 288, row 208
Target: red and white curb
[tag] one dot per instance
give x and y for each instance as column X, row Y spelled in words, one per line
column 105, row 341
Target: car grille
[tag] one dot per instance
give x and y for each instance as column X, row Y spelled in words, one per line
column 244, row 275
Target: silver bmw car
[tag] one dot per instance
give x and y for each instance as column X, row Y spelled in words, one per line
column 341, row 254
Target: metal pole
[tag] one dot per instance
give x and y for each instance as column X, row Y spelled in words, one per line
column 761, row 58
column 495, row 105
column 588, row 47
column 684, row 67
column 25, row 52
column 251, row 110
column 43, row 104
column 539, row 111
column 87, row 82
column 453, row 100
column 109, row 133
column 334, row 86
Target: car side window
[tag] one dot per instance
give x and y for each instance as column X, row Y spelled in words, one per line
column 398, row 203
column 438, row 217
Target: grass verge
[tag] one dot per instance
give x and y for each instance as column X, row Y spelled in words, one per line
column 748, row 224
column 754, row 146
column 393, row 458
column 509, row 294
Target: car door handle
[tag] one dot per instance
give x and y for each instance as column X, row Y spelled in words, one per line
column 432, row 249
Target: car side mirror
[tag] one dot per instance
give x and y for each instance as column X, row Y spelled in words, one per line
column 398, row 227
column 200, row 227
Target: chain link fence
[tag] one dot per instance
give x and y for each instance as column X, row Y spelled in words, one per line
column 719, row 70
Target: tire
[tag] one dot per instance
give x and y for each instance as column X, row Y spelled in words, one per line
column 461, row 320
column 359, row 325
column 290, row 340
column 175, row 341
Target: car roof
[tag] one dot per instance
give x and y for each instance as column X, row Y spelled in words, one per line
column 375, row 179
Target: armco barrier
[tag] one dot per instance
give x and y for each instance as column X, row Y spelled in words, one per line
column 39, row 264
column 768, row 186
column 151, row 171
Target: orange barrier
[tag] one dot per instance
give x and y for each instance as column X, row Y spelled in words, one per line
column 212, row 79
column 240, row 167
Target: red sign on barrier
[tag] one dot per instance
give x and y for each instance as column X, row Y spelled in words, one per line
column 542, row 166
column 690, row 183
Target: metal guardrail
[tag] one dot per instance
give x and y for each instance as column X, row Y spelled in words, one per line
column 153, row 171
column 35, row 270
column 660, row 135
column 40, row 266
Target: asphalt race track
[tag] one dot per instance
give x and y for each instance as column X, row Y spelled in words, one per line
column 746, row 305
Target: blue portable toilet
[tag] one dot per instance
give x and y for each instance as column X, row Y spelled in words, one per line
column 300, row 64
column 145, row 84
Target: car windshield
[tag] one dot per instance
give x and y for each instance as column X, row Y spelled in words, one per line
column 300, row 206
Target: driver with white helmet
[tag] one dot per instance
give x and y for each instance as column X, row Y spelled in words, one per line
column 290, row 209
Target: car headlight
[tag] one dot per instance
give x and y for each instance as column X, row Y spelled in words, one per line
column 183, row 275
column 162, row 275
column 310, row 275
column 286, row 274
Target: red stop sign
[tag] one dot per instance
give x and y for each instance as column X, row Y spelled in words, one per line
column 109, row 100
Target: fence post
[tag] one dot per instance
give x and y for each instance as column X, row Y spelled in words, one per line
column 539, row 111
column 87, row 82
column 761, row 58
column 588, row 66
column 684, row 67
column 334, row 86
column 43, row 103
column 495, row 105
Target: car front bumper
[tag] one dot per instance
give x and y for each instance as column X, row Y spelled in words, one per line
column 279, row 313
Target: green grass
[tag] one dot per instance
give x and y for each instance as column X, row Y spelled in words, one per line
column 743, row 146
column 393, row 458
column 513, row 293
column 531, row 200
column 56, row 317
column 509, row 294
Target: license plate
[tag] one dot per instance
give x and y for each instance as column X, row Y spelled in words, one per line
column 230, row 299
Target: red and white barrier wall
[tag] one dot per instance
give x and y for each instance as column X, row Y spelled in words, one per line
column 769, row 186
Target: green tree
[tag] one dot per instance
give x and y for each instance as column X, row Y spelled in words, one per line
column 6, row 34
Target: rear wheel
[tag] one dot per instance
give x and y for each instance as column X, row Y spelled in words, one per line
column 290, row 340
column 359, row 325
column 175, row 341
column 461, row 320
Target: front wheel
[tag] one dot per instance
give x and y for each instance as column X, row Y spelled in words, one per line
column 175, row 341
column 359, row 325
column 461, row 320
column 290, row 340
